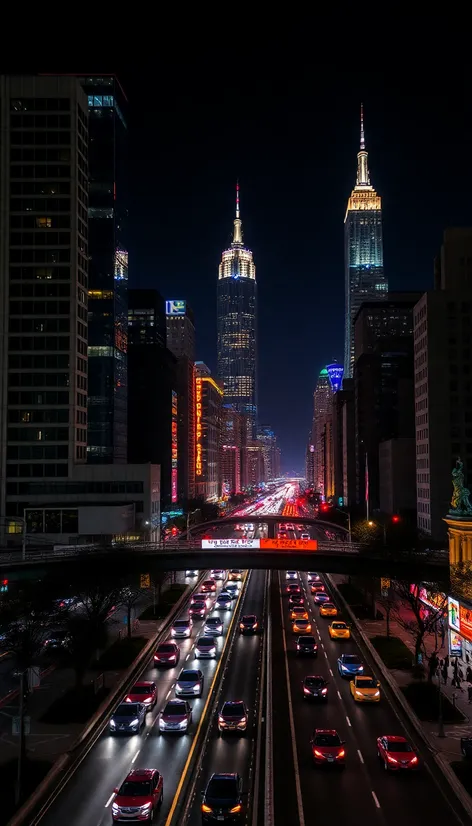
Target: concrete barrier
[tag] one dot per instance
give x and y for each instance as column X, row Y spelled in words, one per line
column 34, row 809
column 442, row 764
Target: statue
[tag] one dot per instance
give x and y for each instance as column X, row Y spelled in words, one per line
column 460, row 504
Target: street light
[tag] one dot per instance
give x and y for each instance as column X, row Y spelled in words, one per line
column 371, row 524
column 348, row 521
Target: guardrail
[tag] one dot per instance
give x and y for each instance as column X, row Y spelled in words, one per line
column 34, row 809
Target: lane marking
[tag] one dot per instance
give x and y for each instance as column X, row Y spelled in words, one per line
column 348, row 721
column 376, row 800
column 360, row 755
column 109, row 800
column 186, row 658
column 339, row 693
column 301, row 815
column 331, row 672
column 168, row 693
column 324, row 652
column 136, row 756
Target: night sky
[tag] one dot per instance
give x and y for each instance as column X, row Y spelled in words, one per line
column 291, row 137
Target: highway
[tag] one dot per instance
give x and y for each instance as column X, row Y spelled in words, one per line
column 364, row 791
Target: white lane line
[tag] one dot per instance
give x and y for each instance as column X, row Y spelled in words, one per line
column 186, row 658
column 136, row 756
column 360, row 755
column 322, row 644
column 109, row 800
column 376, row 800
column 330, row 671
column 339, row 693
column 168, row 693
column 324, row 652
column 348, row 721
column 301, row 815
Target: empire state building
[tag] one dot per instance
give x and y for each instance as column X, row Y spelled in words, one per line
column 237, row 334
column 363, row 251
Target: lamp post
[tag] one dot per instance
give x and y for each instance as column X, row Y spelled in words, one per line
column 189, row 514
column 371, row 524
column 348, row 522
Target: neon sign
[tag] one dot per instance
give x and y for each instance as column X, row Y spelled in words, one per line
column 174, row 445
column 176, row 307
column 335, row 373
column 198, row 407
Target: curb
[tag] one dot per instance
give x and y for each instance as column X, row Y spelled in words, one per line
column 33, row 810
column 441, row 763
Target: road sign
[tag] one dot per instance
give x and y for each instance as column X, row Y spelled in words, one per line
column 145, row 581
column 384, row 583
column 252, row 544
column 15, row 725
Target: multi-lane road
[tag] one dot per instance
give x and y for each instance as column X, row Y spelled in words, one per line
column 302, row 794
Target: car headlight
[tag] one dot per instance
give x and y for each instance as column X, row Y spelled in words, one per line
column 112, row 724
column 178, row 687
column 221, row 719
column 344, row 667
column 242, row 721
column 134, row 722
column 235, row 809
column 206, row 808
column 115, row 808
column 146, row 807
column 183, row 724
column 377, row 694
column 196, row 688
column 358, row 693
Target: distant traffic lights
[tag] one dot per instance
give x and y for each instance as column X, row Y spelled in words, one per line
column 395, row 518
column 4, row 586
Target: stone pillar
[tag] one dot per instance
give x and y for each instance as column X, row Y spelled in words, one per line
column 460, row 538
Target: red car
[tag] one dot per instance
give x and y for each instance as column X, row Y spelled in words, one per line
column 296, row 599
column 293, row 588
column 144, row 692
column 208, row 586
column 167, row 653
column 141, row 793
column 197, row 610
column 316, row 587
column 327, row 747
column 200, row 597
column 396, row 753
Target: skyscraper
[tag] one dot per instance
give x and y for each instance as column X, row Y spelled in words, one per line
column 181, row 342
column 237, row 335
column 363, row 250
column 321, row 413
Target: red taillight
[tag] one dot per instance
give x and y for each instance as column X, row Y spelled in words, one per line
column 341, row 753
column 318, row 753
column 413, row 760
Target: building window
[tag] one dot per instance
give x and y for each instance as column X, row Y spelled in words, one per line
column 43, row 223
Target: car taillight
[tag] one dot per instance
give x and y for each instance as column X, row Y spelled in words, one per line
column 235, row 809
column 305, row 690
column 391, row 759
column 341, row 753
column 414, row 760
column 318, row 753
column 206, row 808
column 324, row 691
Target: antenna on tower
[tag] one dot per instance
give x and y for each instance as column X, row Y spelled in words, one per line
column 237, row 199
column 362, row 127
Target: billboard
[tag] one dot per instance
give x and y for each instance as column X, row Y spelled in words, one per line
column 231, row 543
column 176, row 307
column 453, row 613
column 198, row 429
column 335, row 373
column 455, row 644
column 290, row 544
column 465, row 619
column 174, row 447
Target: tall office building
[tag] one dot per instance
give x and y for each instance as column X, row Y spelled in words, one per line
column 43, row 284
column 363, row 250
column 181, row 342
column 268, row 441
column 108, row 270
column 234, row 471
column 237, row 319
column 208, row 434
column 321, row 413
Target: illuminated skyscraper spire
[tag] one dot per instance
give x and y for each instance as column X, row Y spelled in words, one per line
column 362, row 127
column 238, row 226
column 363, row 178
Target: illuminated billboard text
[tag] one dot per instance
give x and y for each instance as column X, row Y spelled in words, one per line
column 453, row 613
column 231, row 543
column 465, row 618
column 290, row 544
column 174, row 448
column 335, row 373
column 176, row 307
column 198, row 434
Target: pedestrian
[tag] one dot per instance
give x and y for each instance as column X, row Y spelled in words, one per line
column 446, row 660
column 432, row 666
column 444, row 674
column 469, row 692
column 443, row 633
column 468, row 674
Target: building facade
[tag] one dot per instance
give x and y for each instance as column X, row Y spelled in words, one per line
column 321, row 413
column 256, row 467
column 43, row 284
column 237, row 327
column 152, row 390
column 181, row 343
column 233, row 450
column 108, row 269
column 268, row 442
column 363, row 251
column 208, row 434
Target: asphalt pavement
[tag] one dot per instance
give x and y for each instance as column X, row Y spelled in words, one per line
column 363, row 790
column 86, row 799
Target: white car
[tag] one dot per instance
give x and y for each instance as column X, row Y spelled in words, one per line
column 305, row 535
column 291, row 575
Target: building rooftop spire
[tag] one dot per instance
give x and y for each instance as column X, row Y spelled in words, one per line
column 363, row 177
column 362, row 127
column 238, row 226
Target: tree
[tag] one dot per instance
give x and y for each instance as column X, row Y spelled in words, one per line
column 461, row 579
column 88, row 624
column 413, row 616
column 129, row 597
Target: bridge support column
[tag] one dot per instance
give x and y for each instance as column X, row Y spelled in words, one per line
column 271, row 530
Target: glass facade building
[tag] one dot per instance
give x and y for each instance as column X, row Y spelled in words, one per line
column 237, row 333
column 364, row 272
column 108, row 270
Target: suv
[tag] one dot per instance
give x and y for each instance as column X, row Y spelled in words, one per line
column 233, row 716
column 248, row 624
column 140, row 794
column 222, row 799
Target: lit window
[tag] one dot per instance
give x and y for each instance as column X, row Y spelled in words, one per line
column 44, row 223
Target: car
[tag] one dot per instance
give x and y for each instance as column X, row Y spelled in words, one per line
column 313, row 576
column 208, row 586
column 317, row 586
column 201, row 597
column 293, row 588
column 213, row 627
column 141, row 792
column 327, row 748
column 233, row 716
column 301, row 626
column 339, row 631
column 350, row 665
column 248, row 624
column 298, row 612
column 328, row 609
column 217, row 574
column 396, row 753
column 306, row 645
column 205, row 648
column 235, row 575
column 190, row 683
column 175, row 716
column 305, row 536
column 57, row 640
column 282, row 535
column 232, row 588
column 197, row 610
column 291, row 575
column 191, row 572
column 167, row 653
column 320, row 598
column 128, row 718
column 182, row 628
column 365, row 689
column 224, row 602
column 296, row 599
column 222, row 800
column 314, row 688
column 143, row 692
